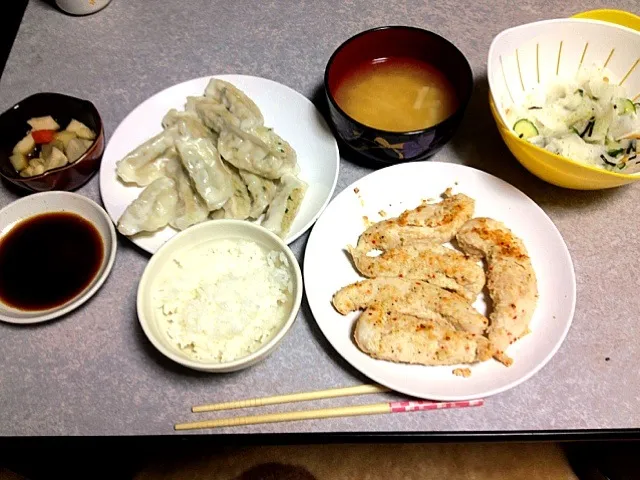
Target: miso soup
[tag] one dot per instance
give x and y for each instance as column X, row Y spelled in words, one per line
column 397, row 94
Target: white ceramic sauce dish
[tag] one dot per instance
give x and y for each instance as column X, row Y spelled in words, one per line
column 53, row 202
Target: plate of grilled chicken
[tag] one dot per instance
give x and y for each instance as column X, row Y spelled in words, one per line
column 440, row 281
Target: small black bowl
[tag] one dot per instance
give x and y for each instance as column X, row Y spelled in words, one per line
column 13, row 125
column 383, row 148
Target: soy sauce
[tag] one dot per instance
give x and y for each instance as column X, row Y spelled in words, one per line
column 48, row 259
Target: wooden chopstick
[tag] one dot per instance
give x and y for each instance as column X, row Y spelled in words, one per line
column 293, row 397
column 371, row 409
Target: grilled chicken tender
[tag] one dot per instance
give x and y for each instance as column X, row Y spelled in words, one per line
column 435, row 223
column 510, row 279
column 411, row 297
column 389, row 335
column 435, row 264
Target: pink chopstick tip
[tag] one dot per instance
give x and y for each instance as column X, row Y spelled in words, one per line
column 420, row 405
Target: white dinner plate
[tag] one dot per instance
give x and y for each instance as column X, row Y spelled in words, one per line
column 327, row 268
column 288, row 112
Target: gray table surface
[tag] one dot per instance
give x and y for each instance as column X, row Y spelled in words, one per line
column 94, row 373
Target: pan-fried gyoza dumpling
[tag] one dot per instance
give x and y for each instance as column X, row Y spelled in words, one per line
column 148, row 172
column 285, row 205
column 260, row 151
column 239, row 205
column 212, row 113
column 136, row 167
column 191, row 209
column 173, row 116
column 235, row 102
column 262, row 191
column 188, row 124
column 210, row 177
column 216, row 116
column 154, row 208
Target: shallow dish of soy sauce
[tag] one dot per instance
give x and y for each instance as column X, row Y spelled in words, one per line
column 56, row 251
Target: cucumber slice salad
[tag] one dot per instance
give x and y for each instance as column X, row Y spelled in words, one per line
column 588, row 118
column 525, row 129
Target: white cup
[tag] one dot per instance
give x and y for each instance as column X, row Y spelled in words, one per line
column 81, row 7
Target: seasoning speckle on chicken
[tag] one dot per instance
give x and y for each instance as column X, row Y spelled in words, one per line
column 411, row 297
column 434, row 223
column 389, row 335
column 441, row 266
column 510, row 278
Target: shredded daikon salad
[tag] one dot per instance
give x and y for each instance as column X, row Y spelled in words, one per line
column 588, row 118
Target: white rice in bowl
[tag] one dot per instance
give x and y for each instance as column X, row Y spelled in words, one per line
column 224, row 299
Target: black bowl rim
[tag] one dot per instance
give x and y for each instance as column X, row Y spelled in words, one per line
column 461, row 108
column 91, row 106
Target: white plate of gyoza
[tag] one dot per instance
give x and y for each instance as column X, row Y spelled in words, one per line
column 227, row 146
column 440, row 281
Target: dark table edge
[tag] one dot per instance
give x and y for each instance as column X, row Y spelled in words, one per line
column 9, row 26
column 241, row 439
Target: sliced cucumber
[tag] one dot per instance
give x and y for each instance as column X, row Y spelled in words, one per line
column 624, row 106
column 615, row 153
column 525, row 129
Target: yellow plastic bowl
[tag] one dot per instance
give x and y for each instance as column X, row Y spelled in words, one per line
column 524, row 56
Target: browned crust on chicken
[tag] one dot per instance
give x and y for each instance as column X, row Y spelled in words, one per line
column 398, row 337
column 435, row 264
column 434, row 223
column 411, row 297
column 510, row 279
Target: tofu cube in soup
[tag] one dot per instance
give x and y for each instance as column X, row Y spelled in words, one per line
column 76, row 148
column 25, row 146
column 19, row 161
column 52, row 157
column 43, row 123
column 81, row 130
column 61, row 139
column 36, row 167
